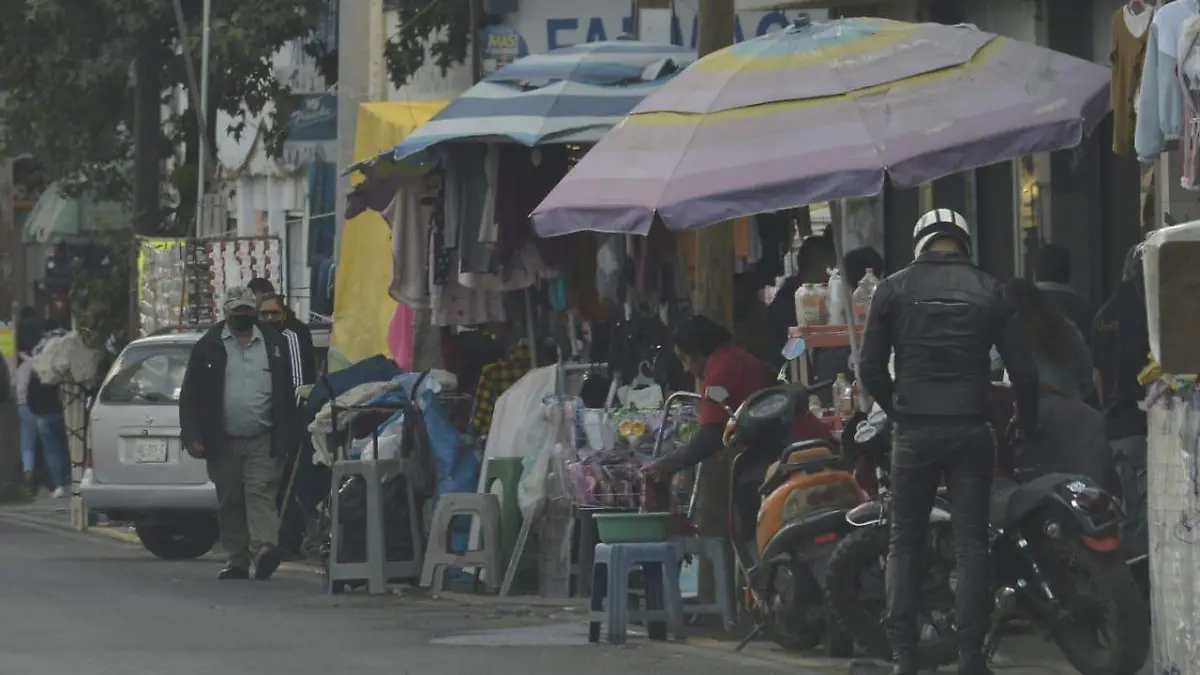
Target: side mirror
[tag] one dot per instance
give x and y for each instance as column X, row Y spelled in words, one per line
column 716, row 394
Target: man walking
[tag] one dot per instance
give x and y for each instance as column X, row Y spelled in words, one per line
column 236, row 411
column 942, row 315
column 274, row 311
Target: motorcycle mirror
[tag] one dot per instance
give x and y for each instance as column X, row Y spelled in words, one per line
column 794, row 348
column 716, row 394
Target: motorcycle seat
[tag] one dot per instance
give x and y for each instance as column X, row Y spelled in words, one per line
column 812, row 460
column 1011, row 501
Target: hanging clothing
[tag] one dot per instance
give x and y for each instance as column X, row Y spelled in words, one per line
column 1130, row 33
column 1159, row 120
column 410, row 246
column 495, row 379
column 470, row 197
column 523, row 179
column 456, row 305
column 1189, row 83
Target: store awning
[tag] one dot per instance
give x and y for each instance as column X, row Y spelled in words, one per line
column 56, row 216
column 383, row 124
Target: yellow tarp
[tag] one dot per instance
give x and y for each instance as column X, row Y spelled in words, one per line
column 361, row 304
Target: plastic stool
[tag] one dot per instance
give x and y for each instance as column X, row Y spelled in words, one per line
column 717, row 552
column 488, row 556
column 377, row 570
column 610, row 590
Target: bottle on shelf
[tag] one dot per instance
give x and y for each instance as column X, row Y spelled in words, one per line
column 863, row 296
column 835, row 299
column 808, row 305
column 843, row 396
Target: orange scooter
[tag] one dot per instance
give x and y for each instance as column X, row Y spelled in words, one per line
column 782, row 558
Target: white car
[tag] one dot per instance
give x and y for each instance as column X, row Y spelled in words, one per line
column 138, row 471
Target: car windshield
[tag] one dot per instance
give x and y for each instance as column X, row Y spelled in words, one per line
column 152, row 375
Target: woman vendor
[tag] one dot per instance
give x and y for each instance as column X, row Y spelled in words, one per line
column 707, row 351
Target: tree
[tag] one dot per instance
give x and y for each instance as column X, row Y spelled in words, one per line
column 70, row 68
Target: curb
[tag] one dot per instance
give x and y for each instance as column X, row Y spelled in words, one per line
column 117, row 533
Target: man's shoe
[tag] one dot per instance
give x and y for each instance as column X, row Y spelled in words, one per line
column 267, row 563
column 231, row 572
column 904, row 664
column 973, row 664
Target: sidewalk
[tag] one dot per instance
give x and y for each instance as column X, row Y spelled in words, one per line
column 1020, row 655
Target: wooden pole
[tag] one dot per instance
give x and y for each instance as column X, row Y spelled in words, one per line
column 713, row 297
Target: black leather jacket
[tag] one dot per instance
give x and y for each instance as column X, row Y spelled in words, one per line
column 941, row 315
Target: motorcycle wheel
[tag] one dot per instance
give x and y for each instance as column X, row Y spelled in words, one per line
column 788, row 627
column 855, row 594
column 1107, row 627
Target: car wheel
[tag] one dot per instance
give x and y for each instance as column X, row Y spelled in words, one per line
column 181, row 540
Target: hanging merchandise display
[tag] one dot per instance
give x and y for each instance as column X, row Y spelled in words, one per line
column 181, row 281
column 1189, row 83
column 1159, row 122
column 1130, row 33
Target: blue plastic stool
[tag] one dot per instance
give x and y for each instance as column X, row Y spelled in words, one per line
column 610, row 590
column 717, row 552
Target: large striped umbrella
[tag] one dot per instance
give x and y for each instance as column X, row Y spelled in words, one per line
column 822, row 111
column 569, row 95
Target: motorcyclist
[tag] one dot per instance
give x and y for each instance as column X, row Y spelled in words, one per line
column 941, row 315
column 707, row 352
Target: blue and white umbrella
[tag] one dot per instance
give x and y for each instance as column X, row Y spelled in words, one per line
column 569, row 95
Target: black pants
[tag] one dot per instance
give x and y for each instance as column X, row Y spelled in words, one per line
column 966, row 455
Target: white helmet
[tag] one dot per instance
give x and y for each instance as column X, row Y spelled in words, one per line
column 941, row 223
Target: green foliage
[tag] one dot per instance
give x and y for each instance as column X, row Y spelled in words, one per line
column 66, row 67
column 448, row 22
column 433, row 31
column 100, row 296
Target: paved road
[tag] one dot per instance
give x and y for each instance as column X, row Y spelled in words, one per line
column 75, row 602
column 81, row 603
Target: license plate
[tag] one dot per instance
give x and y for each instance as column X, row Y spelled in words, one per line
column 148, row 451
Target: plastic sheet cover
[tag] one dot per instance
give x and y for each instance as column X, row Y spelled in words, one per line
column 1174, row 523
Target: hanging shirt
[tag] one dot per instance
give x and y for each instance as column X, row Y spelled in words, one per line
column 1130, row 32
column 495, row 379
column 1159, row 119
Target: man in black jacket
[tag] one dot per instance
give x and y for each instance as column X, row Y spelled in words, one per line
column 237, row 412
column 273, row 310
column 941, row 316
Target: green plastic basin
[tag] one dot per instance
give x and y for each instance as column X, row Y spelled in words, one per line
column 626, row 528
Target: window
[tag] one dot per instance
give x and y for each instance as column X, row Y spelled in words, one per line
column 147, row 376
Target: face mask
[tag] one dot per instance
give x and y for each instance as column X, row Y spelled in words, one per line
column 240, row 322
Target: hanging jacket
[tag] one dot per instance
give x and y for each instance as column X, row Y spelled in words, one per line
column 1160, row 100
column 1189, row 85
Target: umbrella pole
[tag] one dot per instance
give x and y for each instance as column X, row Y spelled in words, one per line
column 837, row 212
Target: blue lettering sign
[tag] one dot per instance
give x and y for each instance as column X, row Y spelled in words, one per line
column 771, row 21
column 596, row 30
column 553, row 26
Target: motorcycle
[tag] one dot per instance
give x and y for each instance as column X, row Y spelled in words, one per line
column 1056, row 558
column 805, row 496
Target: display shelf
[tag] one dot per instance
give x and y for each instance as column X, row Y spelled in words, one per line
column 824, row 336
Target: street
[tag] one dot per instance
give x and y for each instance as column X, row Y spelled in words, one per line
column 84, row 603
column 101, row 605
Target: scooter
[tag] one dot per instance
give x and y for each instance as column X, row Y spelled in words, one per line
column 805, row 497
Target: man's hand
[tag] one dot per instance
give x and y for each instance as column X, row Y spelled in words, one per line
column 657, row 472
column 195, row 449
